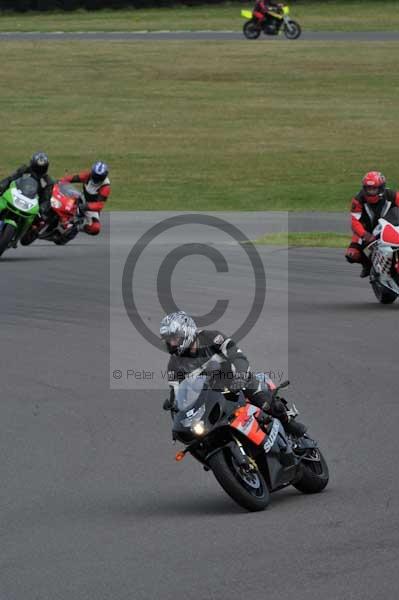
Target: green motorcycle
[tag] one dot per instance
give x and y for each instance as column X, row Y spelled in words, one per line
column 19, row 206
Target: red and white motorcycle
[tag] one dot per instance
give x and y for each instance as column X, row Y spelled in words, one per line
column 384, row 256
column 62, row 221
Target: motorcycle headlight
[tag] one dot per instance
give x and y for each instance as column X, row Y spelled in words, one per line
column 56, row 203
column 25, row 204
column 193, row 417
column 199, row 428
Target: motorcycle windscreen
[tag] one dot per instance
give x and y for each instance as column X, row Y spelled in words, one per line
column 390, row 235
column 67, row 189
column 27, row 186
column 246, row 423
column 188, row 391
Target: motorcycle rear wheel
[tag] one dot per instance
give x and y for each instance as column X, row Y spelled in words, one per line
column 251, row 30
column 315, row 475
column 293, row 31
column 248, row 490
column 6, row 235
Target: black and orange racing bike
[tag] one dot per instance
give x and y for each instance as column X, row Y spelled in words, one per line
column 248, row 451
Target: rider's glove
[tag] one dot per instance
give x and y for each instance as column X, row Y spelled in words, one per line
column 278, row 409
column 264, row 419
column 239, row 382
column 369, row 237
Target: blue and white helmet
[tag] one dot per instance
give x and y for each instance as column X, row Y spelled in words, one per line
column 179, row 331
column 99, row 171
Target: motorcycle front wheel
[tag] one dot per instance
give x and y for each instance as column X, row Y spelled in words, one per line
column 383, row 295
column 251, row 30
column 29, row 237
column 292, row 30
column 315, row 475
column 247, row 488
column 6, row 235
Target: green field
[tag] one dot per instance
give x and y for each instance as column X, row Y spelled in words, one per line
column 359, row 15
column 207, row 126
column 315, row 239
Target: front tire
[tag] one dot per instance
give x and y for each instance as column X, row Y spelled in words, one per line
column 249, row 490
column 6, row 235
column 383, row 295
column 315, row 474
column 251, row 30
column 292, row 31
column 29, row 237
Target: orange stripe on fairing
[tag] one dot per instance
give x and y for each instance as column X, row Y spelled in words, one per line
column 256, row 434
column 246, row 423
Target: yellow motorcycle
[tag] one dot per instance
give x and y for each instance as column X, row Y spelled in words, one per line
column 274, row 23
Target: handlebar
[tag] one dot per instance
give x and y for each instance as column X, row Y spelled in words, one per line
column 281, row 386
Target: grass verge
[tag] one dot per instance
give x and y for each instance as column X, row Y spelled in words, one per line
column 316, row 239
column 353, row 15
column 215, row 126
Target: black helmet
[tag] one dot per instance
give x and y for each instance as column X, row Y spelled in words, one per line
column 99, row 171
column 39, row 164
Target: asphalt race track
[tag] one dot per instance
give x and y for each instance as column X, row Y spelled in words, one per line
column 317, row 36
column 92, row 503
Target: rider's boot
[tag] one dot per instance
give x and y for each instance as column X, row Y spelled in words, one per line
column 366, row 264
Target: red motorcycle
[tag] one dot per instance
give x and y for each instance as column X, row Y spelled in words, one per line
column 61, row 222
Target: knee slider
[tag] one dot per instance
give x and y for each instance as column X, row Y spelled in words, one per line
column 93, row 229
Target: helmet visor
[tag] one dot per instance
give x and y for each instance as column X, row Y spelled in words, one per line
column 371, row 190
column 97, row 178
column 173, row 341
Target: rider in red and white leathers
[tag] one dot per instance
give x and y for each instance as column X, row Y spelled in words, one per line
column 96, row 191
column 372, row 202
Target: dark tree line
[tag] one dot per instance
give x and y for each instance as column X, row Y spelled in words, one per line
column 23, row 5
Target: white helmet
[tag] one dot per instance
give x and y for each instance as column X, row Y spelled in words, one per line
column 179, row 331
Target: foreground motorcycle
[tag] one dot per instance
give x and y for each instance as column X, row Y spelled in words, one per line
column 384, row 256
column 63, row 219
column 19, row 207
column 248, row 451
column 274, row 23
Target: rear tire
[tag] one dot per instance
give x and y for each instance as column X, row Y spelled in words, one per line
column 383, row 295
column 248, row 496
column 6, row 235
column 251, row 30
column 314, row 476
column 293, row 31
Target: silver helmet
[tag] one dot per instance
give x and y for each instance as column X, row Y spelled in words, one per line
column 179, row 331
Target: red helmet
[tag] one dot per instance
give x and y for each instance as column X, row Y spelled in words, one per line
column 373, row 186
